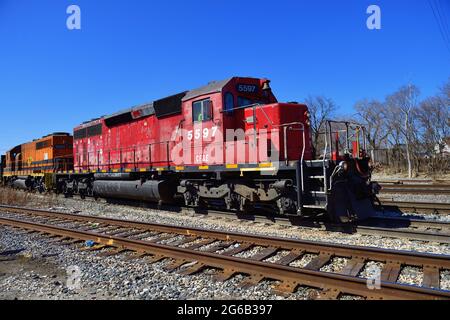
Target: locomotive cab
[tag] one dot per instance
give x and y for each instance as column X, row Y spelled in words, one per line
column 240, row 124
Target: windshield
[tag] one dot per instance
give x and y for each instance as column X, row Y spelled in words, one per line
column 243, row 102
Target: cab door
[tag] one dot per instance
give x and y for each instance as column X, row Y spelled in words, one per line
column 202, row 133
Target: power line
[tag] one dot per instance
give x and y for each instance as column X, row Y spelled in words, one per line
column 444, row 13
column 441, row 28
column 438, row 18
column 442, row 19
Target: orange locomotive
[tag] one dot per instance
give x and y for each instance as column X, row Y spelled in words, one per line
column 33, row 165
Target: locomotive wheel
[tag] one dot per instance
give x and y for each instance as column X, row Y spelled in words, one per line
column 286, row 205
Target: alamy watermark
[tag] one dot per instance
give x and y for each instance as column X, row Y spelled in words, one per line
column 374, row 280
column 374, row 20
column 73, row 21
column 212, row 146
column 74, row 275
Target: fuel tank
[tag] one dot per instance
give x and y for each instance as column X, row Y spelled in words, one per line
column 21, row 184
column 113, row 176
column 151, row 191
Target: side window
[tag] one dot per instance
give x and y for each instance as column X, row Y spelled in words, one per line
column 207, row 110
column 202, row 111
column 229, row 102
column 197, row 111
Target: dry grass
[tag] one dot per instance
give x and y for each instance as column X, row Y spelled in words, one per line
column 22, row 198
column 435, row 169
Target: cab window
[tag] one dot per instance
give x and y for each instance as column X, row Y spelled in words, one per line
column 201, row 111
column 229, row 102
column 242, row 102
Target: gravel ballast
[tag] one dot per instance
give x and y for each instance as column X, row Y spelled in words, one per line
column 41, row 270
column 103, row 209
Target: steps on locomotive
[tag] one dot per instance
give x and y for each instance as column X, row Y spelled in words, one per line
column 315, row 194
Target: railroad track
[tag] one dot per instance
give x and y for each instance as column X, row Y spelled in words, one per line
column 434, row 231
column 392, row 227
column 442, row 189
column 399, row 227
column 193, row 250
column 417, row 207
column 411, row 181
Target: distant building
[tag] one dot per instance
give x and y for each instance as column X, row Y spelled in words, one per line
column 443, row 147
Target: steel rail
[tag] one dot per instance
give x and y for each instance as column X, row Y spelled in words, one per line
column 399, row 233
column 417, row 207
column 411, row 181
column 406, row 222
column 415, row 191
column 435, row 231
column 281, row 243
column 385, row 226
column 416, row 188
column 256, row 269
column 333, row 284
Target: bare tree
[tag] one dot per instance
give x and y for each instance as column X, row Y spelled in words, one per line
column 445, row 92
column 372, row 113
column 433, row 115
column 415, row 133
column 404, row 102
column 321, row 109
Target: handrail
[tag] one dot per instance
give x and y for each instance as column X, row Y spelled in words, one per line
column 349, row 125
column 167, row 143
column 324, row 159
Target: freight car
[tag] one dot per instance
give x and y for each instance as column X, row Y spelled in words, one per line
column 229, row 145
column 34, row 165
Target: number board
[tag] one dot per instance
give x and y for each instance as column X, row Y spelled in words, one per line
column 247, row 88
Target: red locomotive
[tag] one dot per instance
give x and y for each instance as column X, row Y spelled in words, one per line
column 230, row 145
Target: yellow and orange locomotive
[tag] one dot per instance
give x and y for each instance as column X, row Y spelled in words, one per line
column 33, row 165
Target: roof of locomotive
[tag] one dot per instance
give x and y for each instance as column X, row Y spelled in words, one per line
column 55, row 134
column 212, row 87
column 51, row 135
column 146, row 106
column 150, row 108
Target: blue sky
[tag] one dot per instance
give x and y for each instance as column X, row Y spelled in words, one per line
column 134, row 51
